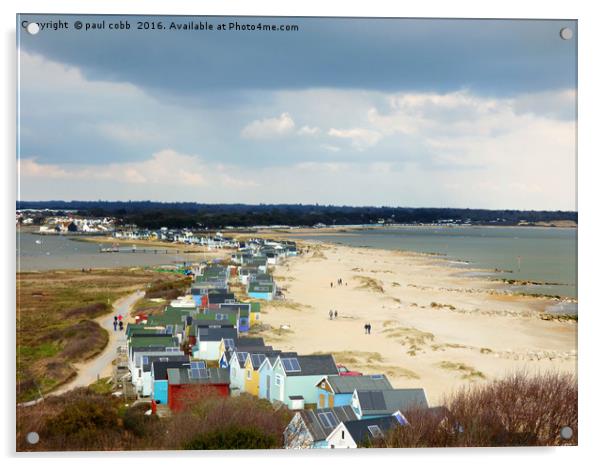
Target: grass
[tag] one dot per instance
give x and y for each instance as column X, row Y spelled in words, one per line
column 444, row 346
column 409, row 336
column 55, row 321
column 370, row 283
column 270, row 333
column 102, row 386
column 355, row 357
column 466, row 371
column 435, row 305
column 559, row 317
column 286, row 305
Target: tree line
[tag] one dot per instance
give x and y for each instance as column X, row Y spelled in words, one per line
column 150, row 214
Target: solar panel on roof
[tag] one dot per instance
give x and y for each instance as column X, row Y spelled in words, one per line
column 327, row 421
column 377, row 376
column 332, row 420
column 229, row 342
column 194, row 374
column 144, row 359
column 204, row 373
column 257, row 359
column 375, row 431
column 198, row 365
column 291, row 365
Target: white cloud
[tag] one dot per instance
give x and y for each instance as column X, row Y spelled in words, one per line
column 330, row 148
column 164, row 168
column 269, row 127
column 127, row 133
column 308, row 131
column 361, row 138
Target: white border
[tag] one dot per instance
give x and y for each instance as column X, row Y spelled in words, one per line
column 590, row 125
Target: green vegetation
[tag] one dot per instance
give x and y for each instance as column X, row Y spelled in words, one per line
column 85, row 420
column 370, row 283
column 148, row 214
column 466, row 371
column 233, row 438
column 55, row 321
column 518, row 410
column 102, row 386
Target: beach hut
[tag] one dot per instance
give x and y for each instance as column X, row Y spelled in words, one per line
column 209, row 340
column 186, row 386
column 295, row 378
column 159, row 377
column 146, row 381
column 237, row 371
column 375, row 403
column 261, row 290
column 337, row 390
column 360, row 433
column 266, row 373
column 309, row 428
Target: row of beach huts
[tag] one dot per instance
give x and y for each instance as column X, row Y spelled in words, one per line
column 201, row 344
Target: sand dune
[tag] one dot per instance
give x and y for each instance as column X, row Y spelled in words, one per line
column 430, row 327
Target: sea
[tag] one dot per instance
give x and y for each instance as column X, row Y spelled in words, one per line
column 547, row 256
column 48, row 252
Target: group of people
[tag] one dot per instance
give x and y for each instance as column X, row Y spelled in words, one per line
column 339, row 283
column 333, row 314
column 118, row 322
column 367, row 328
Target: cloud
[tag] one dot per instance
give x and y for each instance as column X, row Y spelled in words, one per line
column 330, row 148
column 308, row 131
column 127, row 133
column 361, row 138
column 162, row 169
column 99, row 139
column 269, row 127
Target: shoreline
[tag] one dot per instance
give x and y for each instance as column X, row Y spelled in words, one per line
column 431, row 328
column 464, row 268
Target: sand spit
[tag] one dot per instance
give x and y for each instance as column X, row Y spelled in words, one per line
column 430, row 327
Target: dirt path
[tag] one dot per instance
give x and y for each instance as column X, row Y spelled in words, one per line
column 101, row 366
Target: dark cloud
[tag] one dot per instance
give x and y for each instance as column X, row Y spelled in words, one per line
column 488, row 56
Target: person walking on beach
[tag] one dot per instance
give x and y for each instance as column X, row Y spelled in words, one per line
column 330, row 314
column 330, row 284
column 369, row 328
column 120, row 325
column 336, row 314
column 115, row 324
column 366, row 329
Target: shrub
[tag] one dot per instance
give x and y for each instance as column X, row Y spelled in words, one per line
column 136, row 421
column 233, row 438
column 518, row 410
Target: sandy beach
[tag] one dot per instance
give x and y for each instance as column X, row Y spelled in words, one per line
column 431, row 326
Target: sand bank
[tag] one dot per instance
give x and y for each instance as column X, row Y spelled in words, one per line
column 431, row 327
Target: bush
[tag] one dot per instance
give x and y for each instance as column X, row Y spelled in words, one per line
column 233, row 438
column 518, row 410
column 136, row 421
column 83, row 416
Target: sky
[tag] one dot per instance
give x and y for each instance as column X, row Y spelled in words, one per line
column 395, row 112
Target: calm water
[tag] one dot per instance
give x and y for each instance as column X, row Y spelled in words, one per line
column 60, row 252
column 537, row 254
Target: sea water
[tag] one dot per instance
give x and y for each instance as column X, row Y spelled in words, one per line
column 534, row 254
